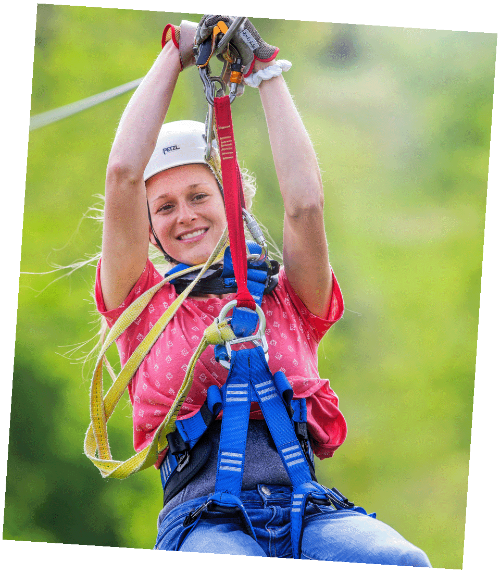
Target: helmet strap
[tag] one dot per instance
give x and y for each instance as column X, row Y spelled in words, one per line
column 168, row 258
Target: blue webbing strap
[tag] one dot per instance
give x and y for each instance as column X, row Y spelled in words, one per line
column 272, row 405
column 250, row 378
column 277, row 417
column 191, row 430
column 231, row 456
column 243, row 320
column 237, row 397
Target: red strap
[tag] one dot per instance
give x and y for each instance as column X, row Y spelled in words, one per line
column 233, row 198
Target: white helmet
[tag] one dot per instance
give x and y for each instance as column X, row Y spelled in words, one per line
column 179, row 143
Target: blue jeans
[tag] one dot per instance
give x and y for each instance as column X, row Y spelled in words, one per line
column 328, row 535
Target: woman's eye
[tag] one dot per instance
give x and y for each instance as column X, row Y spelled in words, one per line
column 167, row 207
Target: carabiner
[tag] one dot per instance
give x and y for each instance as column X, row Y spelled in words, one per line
column 236, row 86
column 257, row 234
column 259, row 338
column 209, row 125
column 225, row 52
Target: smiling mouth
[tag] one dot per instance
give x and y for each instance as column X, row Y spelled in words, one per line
column 192, row 235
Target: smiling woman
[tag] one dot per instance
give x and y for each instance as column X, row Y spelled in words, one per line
column 187, row 212
column 161, row 190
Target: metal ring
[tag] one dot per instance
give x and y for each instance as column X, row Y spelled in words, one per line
column 230, row 305
column 209, row 84
column 259, row 336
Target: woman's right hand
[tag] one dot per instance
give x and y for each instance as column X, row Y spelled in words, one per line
column 183, row 37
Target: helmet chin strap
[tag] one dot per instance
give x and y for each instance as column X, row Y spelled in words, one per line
column 168, row 258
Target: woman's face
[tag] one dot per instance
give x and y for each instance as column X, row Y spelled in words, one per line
column 187, row 212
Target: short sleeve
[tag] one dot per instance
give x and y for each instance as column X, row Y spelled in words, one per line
column 319, row 326
column 149, row 277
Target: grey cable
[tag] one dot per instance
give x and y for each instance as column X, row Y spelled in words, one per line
column 54, row 115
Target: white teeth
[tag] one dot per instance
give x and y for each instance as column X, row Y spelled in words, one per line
column 191, row 235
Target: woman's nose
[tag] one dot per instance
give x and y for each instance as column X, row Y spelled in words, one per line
column 185, row 212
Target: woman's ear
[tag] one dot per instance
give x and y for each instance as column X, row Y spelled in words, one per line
column 152, row 239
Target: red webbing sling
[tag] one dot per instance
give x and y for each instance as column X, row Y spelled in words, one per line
column 233, row 198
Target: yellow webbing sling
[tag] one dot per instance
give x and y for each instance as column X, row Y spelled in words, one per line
column 96, row 445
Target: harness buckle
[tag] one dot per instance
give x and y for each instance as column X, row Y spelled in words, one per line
column 338, row 498
column 182, row 460
column 259, row 338
column 192, row 515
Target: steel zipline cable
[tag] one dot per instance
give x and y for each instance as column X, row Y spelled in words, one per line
column 54, row 115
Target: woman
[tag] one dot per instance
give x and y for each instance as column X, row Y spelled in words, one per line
column 161, row 190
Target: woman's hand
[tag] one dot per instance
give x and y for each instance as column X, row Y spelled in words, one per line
column 183, row 37
column 246, row 39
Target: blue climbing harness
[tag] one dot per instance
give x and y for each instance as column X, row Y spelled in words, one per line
column 249, row 380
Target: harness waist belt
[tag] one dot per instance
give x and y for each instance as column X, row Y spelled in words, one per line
column 189, row 449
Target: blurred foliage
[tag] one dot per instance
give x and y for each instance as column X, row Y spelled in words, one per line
column 401, row 120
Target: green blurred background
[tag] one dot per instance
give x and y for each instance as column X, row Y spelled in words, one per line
column 400, row 119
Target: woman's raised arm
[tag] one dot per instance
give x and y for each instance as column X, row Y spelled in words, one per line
column 305, row 248
column 126, row 226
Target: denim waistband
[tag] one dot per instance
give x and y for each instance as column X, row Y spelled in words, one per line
column 265, row 495
column 261, row 497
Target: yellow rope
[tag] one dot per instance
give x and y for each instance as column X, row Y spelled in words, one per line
column 101, row 407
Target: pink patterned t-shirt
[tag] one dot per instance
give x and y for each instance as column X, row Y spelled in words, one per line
column 293, row 335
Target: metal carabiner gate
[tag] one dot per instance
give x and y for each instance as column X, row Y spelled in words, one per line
column 258, row 338
column 216, row 86
column 223, row 50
